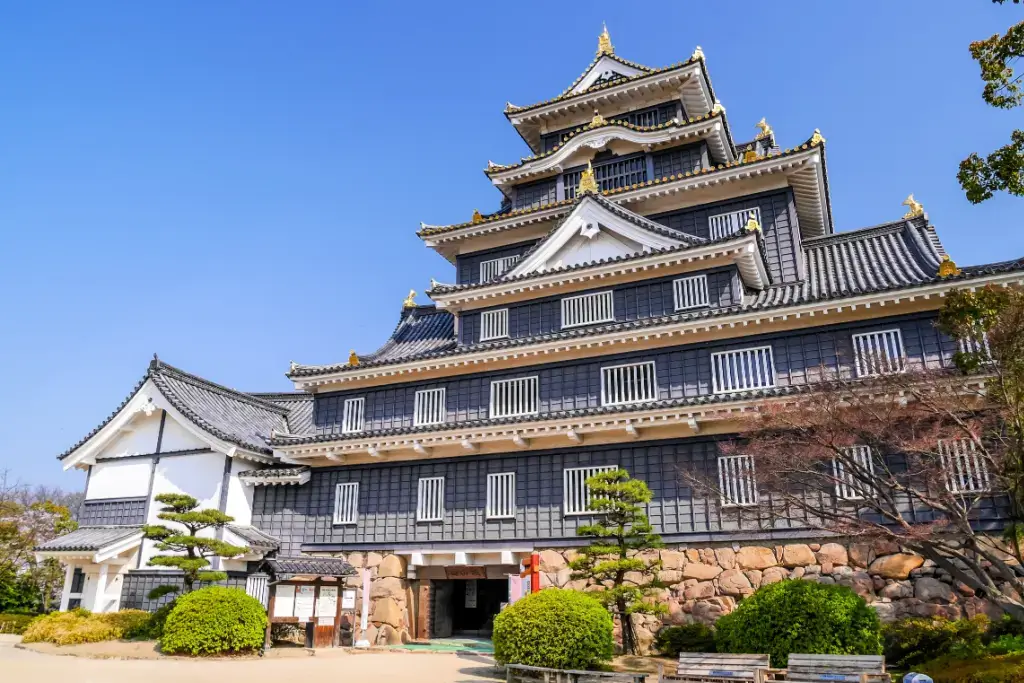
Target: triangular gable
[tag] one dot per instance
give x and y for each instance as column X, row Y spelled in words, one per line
column 602, row 69
column 594, row 231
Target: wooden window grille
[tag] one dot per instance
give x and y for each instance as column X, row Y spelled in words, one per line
column 691, row 292
column 575, row 492
column 258, row 586
column 724, row 224
column 964, row 465
column 535, row 194
column 736, row 480
column 848, row 485
column 429, row 408
column 651, row 116
column 501, row 495
column 430, row 500
column 587, row 309
column 878, row 353
column 346, row 503
column 677, row 161
column 494, row 267
column 609, row 176
column 352, row 415
column 632, row 383
column 977, row 345
column 514, row 397
column 742, row 370
column 494, row 324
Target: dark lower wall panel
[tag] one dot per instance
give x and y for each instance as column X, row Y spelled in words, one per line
column 138, row 584
column 112, row 511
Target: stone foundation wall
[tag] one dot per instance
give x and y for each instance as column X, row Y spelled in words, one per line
column 391, row 598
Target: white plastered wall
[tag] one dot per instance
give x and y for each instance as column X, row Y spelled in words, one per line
column 128, row 478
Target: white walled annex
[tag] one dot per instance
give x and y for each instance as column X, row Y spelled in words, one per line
column 239, row 503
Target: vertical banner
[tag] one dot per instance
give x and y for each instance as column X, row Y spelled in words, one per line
column 471, row 590
column 365, row 616
column 515, row 588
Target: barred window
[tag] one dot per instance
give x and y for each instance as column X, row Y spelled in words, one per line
column 352, row 415
column 691, row 292
column 677, row 161
column 430, row 500
column 494, row 324
column 575, row 492
column 587, row 309
column 514, row 397
column 346, row 503
column 742, row 370
column 494, row 267
column 848, row 485
column 631, row 383
column 964, row 465
column 878, row 353
column 978, row 345
column 736, row 480
column 535, row 194
column 429, row 408
column 725, row 224
column 501, row 495
column 609, row 176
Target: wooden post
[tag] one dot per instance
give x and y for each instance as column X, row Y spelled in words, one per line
column 270, row 614
column 423, row 609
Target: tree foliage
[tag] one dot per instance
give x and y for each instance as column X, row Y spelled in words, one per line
column 189, row 551
column 619, row 556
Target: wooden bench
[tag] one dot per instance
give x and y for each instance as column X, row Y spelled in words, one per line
column 852, row 668
column 520, row 673
column 706, row 666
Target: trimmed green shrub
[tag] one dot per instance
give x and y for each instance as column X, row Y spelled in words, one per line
column 15, row 623
column 672, row 640
column 1008, row 669
column 911, row 642
column 1006, row 645
column 213, row 620
column 154, row 629
column 81, row 626
column 800, row 616
column 560, row 629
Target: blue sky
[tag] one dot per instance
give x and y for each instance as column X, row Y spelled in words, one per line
column 237, row 184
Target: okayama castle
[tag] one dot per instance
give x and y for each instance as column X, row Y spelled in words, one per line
column 648, row 279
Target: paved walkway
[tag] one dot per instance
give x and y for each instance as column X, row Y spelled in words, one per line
column 392, row 667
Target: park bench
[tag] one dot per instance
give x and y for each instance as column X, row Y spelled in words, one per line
column 705, row 666
column 520, row 673
column 850, row 668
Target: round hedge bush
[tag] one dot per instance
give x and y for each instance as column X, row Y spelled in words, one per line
column 800, row 617
column 214, row 620
column 560, row 629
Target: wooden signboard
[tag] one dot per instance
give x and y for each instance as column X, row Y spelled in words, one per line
column 465, row 572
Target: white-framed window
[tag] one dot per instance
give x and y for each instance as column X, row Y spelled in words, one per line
column 631, row 383
column 429, row 407
column 430, row 500
column 725, row 224
column 736, row 480
column 494, row 324
column 352, row 415
column 494, row 267
column 848, row 486
column 514, row 397
column 575, row 492
column 979, row 346
column 501, row 495
column 879, row 353
column 742, row 370
column 691, row 292
column 964, row 465
column 346, row 503
column 587, row 309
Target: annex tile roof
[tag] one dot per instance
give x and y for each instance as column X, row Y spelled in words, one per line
column 421, row 330
column 299, row 405
column 282, row 567
column 272, row 476
column 88, row 539
column 256, row 539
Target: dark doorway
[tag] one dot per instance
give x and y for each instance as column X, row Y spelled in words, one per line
column 467, row 607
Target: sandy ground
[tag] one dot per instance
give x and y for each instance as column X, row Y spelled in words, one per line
column 391, row 667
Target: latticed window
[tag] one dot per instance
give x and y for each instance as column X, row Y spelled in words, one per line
column 587, row 309
column 742, row 370
column 429, row 408
column 610, row 175
column 964, row 465
column 575, row 492
column 690, row 292
column 494, row 324
column 352, row 415
column 633, row 383
column 736, row 480
column 724, row 224
column 494, row 267
column 501, row 495
column 514, row 397
column 878, row 353
column 677, row 161
column 652, row 116
column 848, row 484
column 535, row 194
column 346, row 503
column 977, row 345
column 430, row 500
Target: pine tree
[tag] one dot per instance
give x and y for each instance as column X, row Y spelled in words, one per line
column 190, row 552
column 617, row 558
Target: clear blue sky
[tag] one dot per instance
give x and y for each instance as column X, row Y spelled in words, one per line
column 235, row 184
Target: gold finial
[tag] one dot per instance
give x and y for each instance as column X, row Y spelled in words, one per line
column 718, row 108
column 604, row 42
column 588, row 185
column 766, row 130
column 353, row 359
column 947, row 268
column 597, row 120
column 697, row 54
column 477, row 218
column 410, row 301
column 914, row 207
column 750, row 154
column 817, row 138
column 752, row 223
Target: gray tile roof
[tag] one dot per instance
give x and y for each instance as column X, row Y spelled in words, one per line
column 282, row 567
column 421, row 330
column 272, row 472
column 89, row 538
column 299, row 405
column 255, row 538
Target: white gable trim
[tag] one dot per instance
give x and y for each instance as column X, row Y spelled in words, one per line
column 602, row 66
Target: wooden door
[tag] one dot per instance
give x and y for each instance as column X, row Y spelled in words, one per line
column 323, row 636
column 444, row 592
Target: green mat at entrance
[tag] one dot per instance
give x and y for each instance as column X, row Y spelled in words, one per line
column 476, row 645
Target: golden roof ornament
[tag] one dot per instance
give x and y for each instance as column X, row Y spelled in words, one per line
column 766, row 130
column 752, row 224
column 750, row 154
column 817, row 138
column 718, row 108
column 598, row 120
column 353, row 359
column 477, row 218
column 410, row 301
column 604, row 42
column 588, row 184
column 697, row 54
column 947, row 268
column 914, row 207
